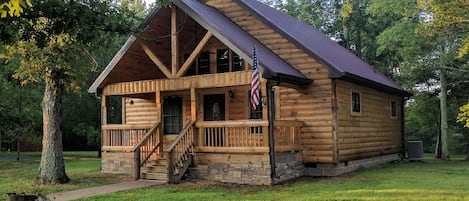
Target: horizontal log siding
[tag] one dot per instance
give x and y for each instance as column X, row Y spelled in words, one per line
column 142, row 111
column 313, row 105
column 238, row 105
column 372, row 133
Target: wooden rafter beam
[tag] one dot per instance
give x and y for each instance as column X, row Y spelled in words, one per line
column 155, row 59
column 174, row 42
column 194, row 54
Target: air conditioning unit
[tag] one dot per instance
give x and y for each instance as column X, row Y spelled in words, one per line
column 415, row 150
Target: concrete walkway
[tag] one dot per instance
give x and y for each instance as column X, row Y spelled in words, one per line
column 100, row 190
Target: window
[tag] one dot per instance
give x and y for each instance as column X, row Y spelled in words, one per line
column 226, row 61
column 203, row 62
column 223, row 60
column 356, row 105
column 393, row 109
column 237, row 62
column 214, row 107
column 172, row 114
column 255, row 114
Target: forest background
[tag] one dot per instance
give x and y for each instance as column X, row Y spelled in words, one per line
column 421, row 44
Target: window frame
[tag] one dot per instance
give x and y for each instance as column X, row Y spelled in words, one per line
column 223, row 61
column 164, row 114
column 352, row 104
column 393, row 115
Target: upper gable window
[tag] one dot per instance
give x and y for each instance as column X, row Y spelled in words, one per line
column 226, row 61
column 203, row 62
column 237, row 62
column 356, row 103
column 393, row 109
column 223, row 60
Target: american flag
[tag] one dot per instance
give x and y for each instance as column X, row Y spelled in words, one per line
column 255, row 82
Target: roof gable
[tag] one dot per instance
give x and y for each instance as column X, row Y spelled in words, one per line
column 340, row 62
column 270, row 64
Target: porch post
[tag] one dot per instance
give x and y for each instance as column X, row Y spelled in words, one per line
column 103, row 109
column 174, row 42
column 103, row 121
column 193, row 105
column 271, row 116
column 158, row 115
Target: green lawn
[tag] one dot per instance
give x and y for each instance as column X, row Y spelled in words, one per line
column 430, row 180
column 83, row 168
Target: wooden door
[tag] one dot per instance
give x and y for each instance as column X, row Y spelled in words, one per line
column 214, row 110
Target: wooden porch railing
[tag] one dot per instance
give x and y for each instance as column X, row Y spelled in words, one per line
column 233, row 136
column 178, row 152
column 287, row 135
column 123, row 137
column 148, row 145
column 247, row 136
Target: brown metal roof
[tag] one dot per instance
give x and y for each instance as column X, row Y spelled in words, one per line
column 341, row 62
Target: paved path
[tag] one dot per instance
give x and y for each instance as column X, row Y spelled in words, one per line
column 81, row 193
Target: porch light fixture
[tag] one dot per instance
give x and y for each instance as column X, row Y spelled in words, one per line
column 231, row 93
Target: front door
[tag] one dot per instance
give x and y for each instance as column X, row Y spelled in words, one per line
column 172, row 115
column 214, row 110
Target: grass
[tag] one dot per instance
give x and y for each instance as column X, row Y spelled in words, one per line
column 83, row 168
column 428, row 180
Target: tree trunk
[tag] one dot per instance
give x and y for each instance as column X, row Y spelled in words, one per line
column 444, row 116
column 52, row 167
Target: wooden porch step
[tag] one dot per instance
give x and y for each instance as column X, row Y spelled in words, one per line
column 159, row 162
column 155, row 169
column 155, row 176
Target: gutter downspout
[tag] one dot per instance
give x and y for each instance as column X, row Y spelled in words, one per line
column 403, row 128
column 271, row 119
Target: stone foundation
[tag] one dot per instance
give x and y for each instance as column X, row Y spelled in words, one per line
column 348, row 166
column 288, row 166
column 117, row 162
column 233, row 168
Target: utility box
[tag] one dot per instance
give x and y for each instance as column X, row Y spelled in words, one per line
column 415, row 150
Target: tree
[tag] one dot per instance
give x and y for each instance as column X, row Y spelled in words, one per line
column 13, row 8
column 54, row 49
column 449, row 17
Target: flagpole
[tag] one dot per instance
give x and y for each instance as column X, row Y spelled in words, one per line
column 255, row 101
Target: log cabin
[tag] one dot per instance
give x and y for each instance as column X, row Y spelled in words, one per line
column 183, row 83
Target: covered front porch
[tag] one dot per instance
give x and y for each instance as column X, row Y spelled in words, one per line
column 161, row 137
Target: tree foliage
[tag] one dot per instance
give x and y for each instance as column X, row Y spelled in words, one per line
column 449, row 18
column 53, row 48
column 13, row 8
column 463, row 115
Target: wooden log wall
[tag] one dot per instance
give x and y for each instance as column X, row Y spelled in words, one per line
column 313, row 105
column 373, row 132
column 140, row 110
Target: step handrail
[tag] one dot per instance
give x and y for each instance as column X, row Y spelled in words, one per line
column 178, row 150
column 151, row 141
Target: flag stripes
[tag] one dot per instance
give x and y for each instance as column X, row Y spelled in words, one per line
column 255, row 83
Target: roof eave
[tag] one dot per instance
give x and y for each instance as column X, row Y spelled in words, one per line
column 372, row 84
column 97, row 83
